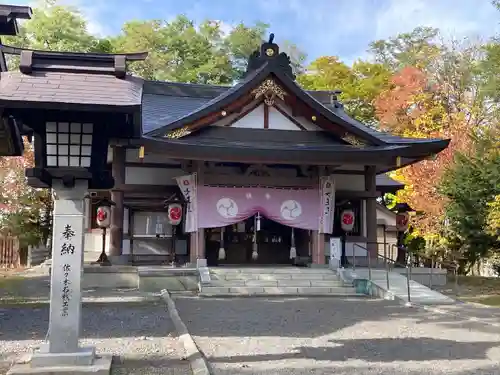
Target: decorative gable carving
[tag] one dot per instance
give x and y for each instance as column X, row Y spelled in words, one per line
column 269, row 90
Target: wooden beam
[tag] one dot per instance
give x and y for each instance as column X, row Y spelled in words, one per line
column 215, row 116
column 154, row 190
column 356, row 194
column 302, row 109
column 242, row 114
column 348, row 171
column 239, row 180
column 290, row 118
column 266, row 116
column 154, row 165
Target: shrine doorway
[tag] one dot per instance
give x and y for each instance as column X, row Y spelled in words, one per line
column 272, row 243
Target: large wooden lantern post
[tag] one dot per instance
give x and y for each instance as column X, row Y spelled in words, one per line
column 72, row 122
column 347, row 220
column 103, row 219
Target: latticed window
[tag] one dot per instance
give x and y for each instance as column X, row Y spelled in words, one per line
column 69, row 144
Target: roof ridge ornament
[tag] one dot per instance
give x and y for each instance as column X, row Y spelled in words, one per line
column 270, row 53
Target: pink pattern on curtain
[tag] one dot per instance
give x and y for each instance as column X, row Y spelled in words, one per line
column 222, row 206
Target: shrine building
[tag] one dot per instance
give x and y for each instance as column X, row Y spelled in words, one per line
column 260, row 172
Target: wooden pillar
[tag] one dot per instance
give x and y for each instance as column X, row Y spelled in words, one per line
column 371, row 210
column 197, row 239
column 117, row 211
column 318, row 239
column 201, row 244
column 318, row 247
column 193, row 247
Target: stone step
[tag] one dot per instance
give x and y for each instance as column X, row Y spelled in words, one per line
column 269, row 270
column 281, row 274
column 263, row 291
column 248, row 276
column 278, row 283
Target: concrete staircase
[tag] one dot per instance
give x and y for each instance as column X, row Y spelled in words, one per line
column 293, row 281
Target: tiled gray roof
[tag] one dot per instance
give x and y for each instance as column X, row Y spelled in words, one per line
column 166, row 102
column 179, row 89
column 70, row 88
column 157, row 110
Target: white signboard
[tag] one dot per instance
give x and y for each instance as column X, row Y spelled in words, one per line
column 335, row 252
column 188, row 187
column 327, row 188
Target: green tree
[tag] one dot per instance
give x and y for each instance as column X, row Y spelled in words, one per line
column 416, row 48
column 182, row 51
column 471, row 187
column 55, row 27
column 360, row 84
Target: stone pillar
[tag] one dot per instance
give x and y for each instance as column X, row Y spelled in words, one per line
column 318, row 247
column 371, row 210
column 65, row 284
column 117, row 211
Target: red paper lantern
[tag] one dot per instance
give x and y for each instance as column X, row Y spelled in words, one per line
column 174, row 213
column 347, row 220
column 103, row 216
column 402, row 221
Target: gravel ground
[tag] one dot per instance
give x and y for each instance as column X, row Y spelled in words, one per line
column 268, row 336
column 141, row 334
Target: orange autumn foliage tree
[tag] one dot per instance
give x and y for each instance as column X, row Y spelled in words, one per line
column 24, row 210
column 412, row 107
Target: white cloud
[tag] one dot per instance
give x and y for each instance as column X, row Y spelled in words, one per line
column 92, row 12
column 460, row 18
column 225, row 27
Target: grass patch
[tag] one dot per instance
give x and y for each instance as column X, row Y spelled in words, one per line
column 6, row 303
column 9, row 291
column 477, row 289
column 9, row 284
column 489, row 300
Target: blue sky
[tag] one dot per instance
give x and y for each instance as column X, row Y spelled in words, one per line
column 319, row 27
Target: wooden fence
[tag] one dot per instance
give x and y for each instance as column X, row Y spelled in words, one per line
column 9, row 252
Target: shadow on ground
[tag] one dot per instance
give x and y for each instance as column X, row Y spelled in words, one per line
column 358, row 370
column 300, row 317
column 377, row 350
column 102, row 320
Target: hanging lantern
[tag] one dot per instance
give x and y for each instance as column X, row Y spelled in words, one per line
column 174, row 213
column 347, row 220
column 103, row 216
column 402, row 221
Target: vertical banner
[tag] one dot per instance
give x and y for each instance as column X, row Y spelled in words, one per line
column 188, row 186
column 327, row 191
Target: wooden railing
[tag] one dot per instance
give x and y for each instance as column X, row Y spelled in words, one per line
column 9, row 252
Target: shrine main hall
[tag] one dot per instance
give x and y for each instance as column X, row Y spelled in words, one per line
column 255, row 173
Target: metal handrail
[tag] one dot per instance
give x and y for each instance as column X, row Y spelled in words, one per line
column 387, row 267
